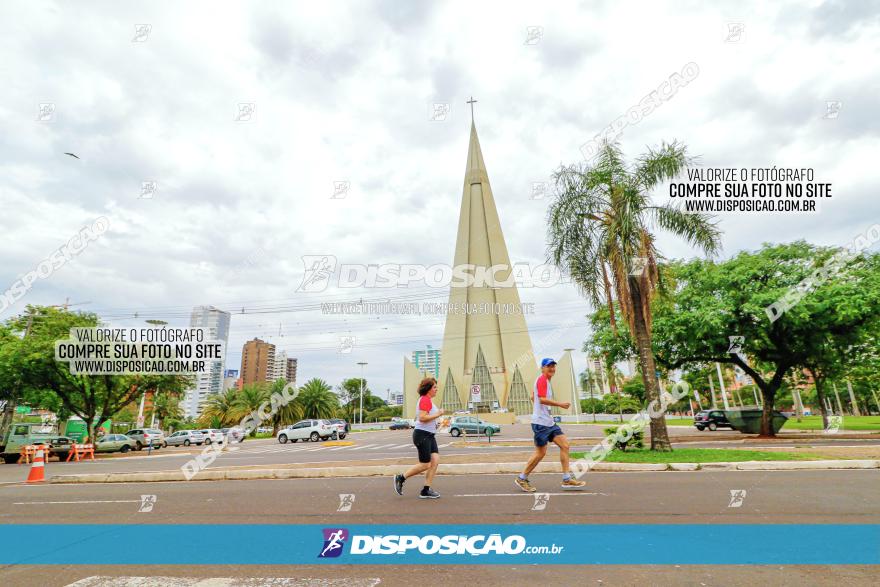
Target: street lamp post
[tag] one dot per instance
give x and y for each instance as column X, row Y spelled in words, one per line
column 362, row 364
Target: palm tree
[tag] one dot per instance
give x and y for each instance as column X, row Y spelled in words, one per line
column 220, row 406
column 287, row 414
column 317, row 399
column 600, row 232
column 249, row 400
column 167, row 408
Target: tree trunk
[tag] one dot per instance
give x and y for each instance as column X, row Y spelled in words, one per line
column 767, row 414
column 6, row 418
column 820, row 397
column 852, row 399
column 659, row 434
column 837, row 396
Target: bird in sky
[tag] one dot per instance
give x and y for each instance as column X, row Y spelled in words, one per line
column 72, row 155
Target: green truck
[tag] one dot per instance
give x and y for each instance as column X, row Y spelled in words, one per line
column 24, row 434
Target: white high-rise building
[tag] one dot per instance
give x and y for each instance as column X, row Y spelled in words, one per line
column 211, row 381
column 427, row 360
column 284, row 368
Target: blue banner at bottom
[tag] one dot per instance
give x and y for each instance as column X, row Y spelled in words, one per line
column 551, row 544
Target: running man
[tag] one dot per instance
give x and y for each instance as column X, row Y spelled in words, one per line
column 547, row 431
column 423, row 438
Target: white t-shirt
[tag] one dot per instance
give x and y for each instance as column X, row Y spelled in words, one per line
column 426, row 405
column 541, row 413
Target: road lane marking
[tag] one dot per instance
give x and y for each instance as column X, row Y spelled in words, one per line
column 128, row 581
column 364, row 446
column 82, row 501
column 524, row 494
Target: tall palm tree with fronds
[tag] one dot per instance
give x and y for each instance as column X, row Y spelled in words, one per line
column 220, row 406
column 249, row 400
column 288, row 413
column 317, row 399
column 600, row 230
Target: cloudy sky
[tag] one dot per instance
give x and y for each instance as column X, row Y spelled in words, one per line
column 344, row 92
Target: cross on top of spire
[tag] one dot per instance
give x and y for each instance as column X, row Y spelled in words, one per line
column 472, row 102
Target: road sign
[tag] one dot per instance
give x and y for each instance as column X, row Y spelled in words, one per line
column 476, row 396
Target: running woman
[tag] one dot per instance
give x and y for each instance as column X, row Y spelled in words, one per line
column 423, row 438
column 547, row 431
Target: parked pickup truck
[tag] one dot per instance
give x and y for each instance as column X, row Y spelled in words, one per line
column 25, row 434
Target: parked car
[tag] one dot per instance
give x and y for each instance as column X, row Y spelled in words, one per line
column 342, row 427
column 307, row 430
column 711, row 419
column 472, row 425
column 186, row 438
column 213, row 435
column 144, row 436
column 401, row 425
column 234, row 434
column 24, row 434
column 345, row 427
column 114, row 443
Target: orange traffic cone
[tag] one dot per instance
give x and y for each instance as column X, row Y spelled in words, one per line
column 36, row 474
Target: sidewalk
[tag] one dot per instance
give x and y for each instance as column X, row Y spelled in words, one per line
column 506, row 463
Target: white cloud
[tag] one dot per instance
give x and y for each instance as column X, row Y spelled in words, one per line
column 342, row 93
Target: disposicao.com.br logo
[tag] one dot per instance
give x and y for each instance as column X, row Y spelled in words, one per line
column 431, row 544
column 321, row 271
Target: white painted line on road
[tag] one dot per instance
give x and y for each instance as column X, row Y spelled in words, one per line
column 524, row 494
column 71, row 502
column 98, row 581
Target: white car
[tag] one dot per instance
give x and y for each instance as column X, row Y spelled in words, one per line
column 307, row 430
column 186, row 438
column 213, row 435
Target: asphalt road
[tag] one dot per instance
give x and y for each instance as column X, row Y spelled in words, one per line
column 377, row 445
column 838, row 497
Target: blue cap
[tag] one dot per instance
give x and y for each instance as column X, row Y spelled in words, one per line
column 547, row 362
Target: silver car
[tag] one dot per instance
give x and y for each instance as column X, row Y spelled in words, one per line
column 213, row 435
column 186, row 438
column 115, row 442
column 143, row 437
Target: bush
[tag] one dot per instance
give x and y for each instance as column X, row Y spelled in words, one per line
column 635, row 440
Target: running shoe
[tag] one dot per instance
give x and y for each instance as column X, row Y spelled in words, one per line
column 572, row 483
column 524, row 485
column 428, row 494
column 398, row 483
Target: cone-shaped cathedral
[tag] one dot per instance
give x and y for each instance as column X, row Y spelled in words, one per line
column 486, row 348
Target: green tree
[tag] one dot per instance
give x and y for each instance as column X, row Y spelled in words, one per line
column 349, row 396
column 166, row 407
column 715, row 301
column 94, row 398
column 317, row 399
column 249, row 399
column 221, row 407
column 601, row 232
column 288, row 413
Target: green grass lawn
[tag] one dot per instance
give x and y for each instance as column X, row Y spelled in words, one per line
column 807, row 423
column 700, row 455
column 848, row 423
column 669, row 422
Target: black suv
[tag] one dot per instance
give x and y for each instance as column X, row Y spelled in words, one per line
column 711, row 419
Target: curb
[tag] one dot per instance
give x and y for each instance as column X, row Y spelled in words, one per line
column 452, row 469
